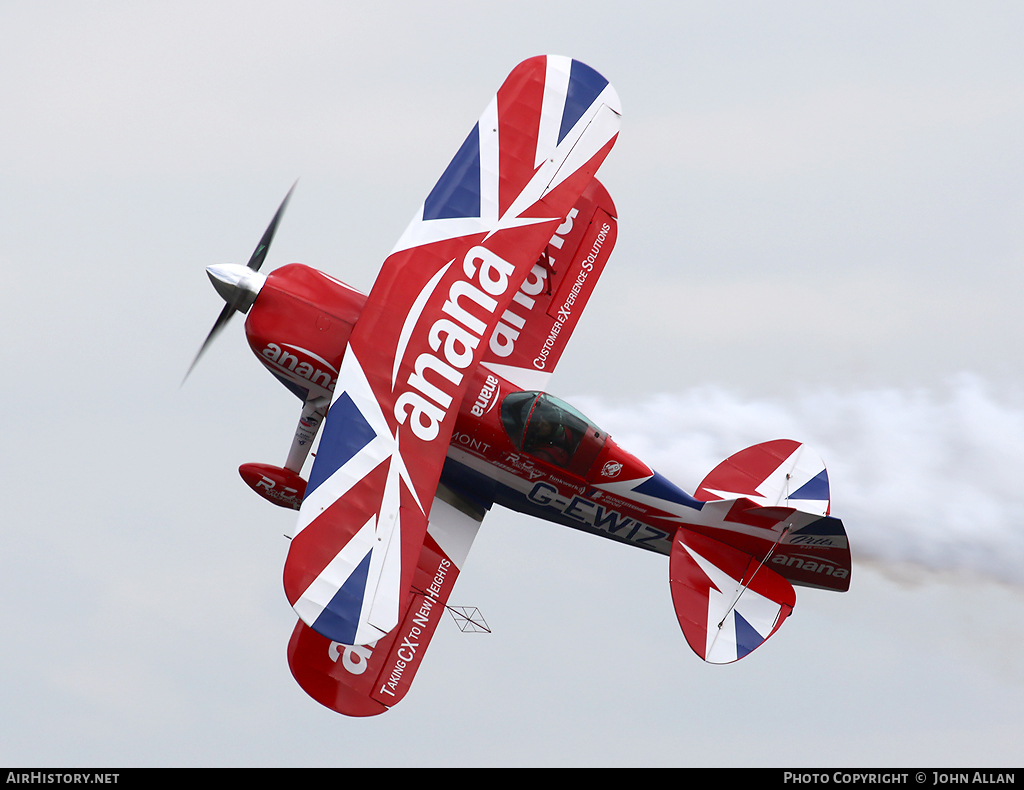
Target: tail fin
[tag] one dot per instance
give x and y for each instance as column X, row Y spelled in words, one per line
column 766, row 528
column 778, row 473
column 774, row 498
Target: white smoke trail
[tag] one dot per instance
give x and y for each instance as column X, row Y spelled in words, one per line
column 929, row 477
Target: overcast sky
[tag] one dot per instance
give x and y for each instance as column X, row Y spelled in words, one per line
column 820, row 238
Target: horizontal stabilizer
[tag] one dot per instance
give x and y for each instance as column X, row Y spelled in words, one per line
column 726, row 601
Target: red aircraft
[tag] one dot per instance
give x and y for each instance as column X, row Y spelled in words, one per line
column 431, row 394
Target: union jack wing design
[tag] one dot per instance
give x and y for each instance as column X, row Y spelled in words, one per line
column 423, row 331
column 367, row 680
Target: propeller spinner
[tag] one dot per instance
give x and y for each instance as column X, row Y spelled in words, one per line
column 239, row 285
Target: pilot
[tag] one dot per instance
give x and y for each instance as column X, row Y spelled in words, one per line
column 550, row 441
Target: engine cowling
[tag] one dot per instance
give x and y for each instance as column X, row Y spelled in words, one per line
column 299, row 327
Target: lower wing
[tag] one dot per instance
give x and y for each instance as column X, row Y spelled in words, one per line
column 365, row 680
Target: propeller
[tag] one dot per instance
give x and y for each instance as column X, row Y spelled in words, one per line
column 239, row 285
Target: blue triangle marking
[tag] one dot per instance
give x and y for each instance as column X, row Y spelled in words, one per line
column 346, row 432
column 815, row 488
column 457, row 192
column 340, row 618
column 747, row 638
column 585, row 85
column 660, row 488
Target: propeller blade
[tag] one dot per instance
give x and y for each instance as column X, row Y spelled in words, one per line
column 255, row 262
column 268, row 236
column 218, row 325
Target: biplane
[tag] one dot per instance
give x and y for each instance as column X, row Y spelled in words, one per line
column 429, row 395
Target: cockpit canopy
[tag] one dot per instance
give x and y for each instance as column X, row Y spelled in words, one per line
column 551, row 430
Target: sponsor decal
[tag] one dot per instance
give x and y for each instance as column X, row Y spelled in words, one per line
column 603, row 496
column 306, row 430
column 503, row 339
column 418, row 630
column 354, row 658
column 812, row 564
column 426, row 401
column 488, row 395
column 523, row 464
column 611, row 469
column 565, row 311
column 469, row 443
column 817, row 540
column 285, row 494
column 288, row 361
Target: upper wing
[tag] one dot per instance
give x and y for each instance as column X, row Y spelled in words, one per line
column 410, row 357
column 365, row 680
column 529, row 340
